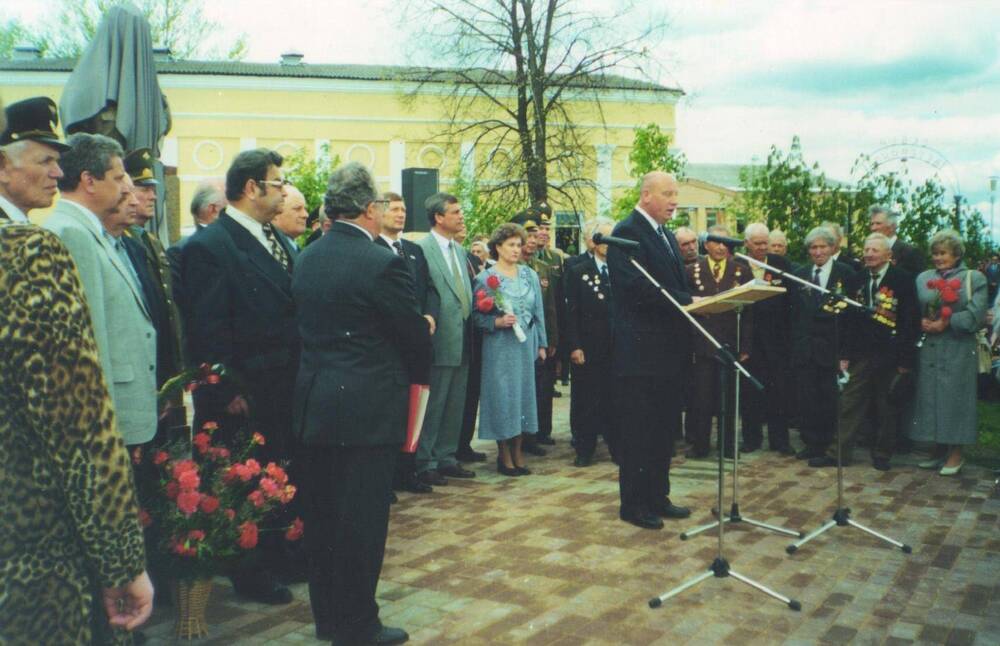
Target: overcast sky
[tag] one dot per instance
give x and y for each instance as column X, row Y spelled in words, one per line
column 848, row 77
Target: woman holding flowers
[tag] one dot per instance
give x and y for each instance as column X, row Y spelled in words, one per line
column 953, row 301
column 509, row 310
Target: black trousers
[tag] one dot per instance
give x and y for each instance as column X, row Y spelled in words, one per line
column 347, row 521
column 769, row 406
column 593, row 394
column 705, row 403
column 817, row 396
column 648, row 411
column 545, row 384
column 472, row 389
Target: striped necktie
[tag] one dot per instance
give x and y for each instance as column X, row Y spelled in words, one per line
column 277, row 250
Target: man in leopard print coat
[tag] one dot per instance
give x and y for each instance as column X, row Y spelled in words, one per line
column 70, row 541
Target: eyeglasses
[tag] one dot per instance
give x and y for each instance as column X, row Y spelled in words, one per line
column 277, row 183
column 383, row 203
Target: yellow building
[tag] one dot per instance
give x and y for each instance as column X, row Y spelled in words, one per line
column 359, row 111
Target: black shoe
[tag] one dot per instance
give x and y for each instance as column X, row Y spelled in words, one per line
column 642, row 519
column 523, row 471
column 266, row 592
column 823, row 461
column 582, row 461
column 546, row 440
column 556, row 394
column 432, row 477
column 455, row 471
column 808, row 453
column 670, row 510
column 384, row 636
column 749, row 448
column 393, row 498
column 470, row 456
column 698, row 455
column 413, row 484
column 881, row 464
column 784, row 450
column 504, row 470
column 534, row 449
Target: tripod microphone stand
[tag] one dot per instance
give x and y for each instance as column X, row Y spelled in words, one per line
column 842, row 515
column 720, row 566
column 734, row 509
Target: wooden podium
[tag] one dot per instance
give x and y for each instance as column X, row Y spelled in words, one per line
column 734, row 298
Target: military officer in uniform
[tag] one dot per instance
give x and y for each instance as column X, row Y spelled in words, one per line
column 29, row 158
column 588, row 337
column 555, row 357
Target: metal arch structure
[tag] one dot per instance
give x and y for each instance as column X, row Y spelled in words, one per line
column 904, row 151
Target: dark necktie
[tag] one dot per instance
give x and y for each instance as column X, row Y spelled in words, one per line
column 817, row 296
column 604, row 275
column 873, row 289
column 664, row 240
column 716, row 271
column 398, row 246
column 277, row 250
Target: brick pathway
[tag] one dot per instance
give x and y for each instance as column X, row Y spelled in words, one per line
column 543, row 559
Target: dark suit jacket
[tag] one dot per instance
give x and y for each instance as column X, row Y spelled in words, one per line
column 364, row 342
column 588, row 312
column 723, row 325
column 813, row 326
column 239, row 312
column 772, row 317
column 908, row 258
column 427, row 296
column 650, row 337
column 175, row 254
column 868, row 338
column 849, row 259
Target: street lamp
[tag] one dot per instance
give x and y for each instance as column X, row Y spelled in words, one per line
column 993, row 199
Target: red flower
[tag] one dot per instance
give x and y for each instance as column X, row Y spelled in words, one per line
column 253, row 466
column 258, row 439
column 196, row 535
column 485, row 305
column 277, row 473
column 230, row 514
column 288, row 493
column 209, row 426
column 954, row 283
column 182, row 466
column 208, row 504
column 172, row 489
column 161, row 457
column 256, row 497
column 948, row 295
column 187, row 502
column 480, row 294
column 212, row 379
column 191, row 386
column 294, row 532
column 202, row 441
column 188, row 481
column 144, row 518
column 493, row 281
column 219, row 452
column 248, row 536
column 181, row 548
column 237, row 471
column 270, row 488
column 945, row 312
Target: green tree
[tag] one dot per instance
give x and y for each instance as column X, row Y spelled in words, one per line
column 177, row 24
column 650, row 151
column 310, row 174
column 484, row 212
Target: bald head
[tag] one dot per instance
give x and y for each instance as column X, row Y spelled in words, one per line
column 687, row 240
column 292, row 219
column 757, row 239
column 658, row 195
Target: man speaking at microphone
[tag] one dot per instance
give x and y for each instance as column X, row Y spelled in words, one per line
column 651, row 342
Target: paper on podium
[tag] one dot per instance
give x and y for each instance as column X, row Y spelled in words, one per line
column 745, row 294
column 419, row 393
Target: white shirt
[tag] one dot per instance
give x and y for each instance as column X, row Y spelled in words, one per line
column 653, row 223
column 881, row 274
column 600, row 264
column 389, row 241
column 15, row 214
column 255, row 228
column 824, row 272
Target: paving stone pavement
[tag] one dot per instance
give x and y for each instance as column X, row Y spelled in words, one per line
column 544, row 560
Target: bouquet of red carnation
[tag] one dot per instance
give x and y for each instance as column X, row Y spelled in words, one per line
column 488, row 301
column 940, row 305
column 210, row 503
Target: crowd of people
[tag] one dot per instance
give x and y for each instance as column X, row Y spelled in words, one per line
column 329, row 318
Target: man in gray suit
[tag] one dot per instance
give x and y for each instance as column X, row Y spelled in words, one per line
column 452, row 344
column 90, row 218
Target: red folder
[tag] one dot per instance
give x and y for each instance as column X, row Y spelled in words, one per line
column 419, row 393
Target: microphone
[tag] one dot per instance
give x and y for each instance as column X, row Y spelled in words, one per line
column 711, row 237
column 623, row 243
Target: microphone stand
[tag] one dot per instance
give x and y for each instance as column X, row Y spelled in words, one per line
column 720, row 566
column 841, row 515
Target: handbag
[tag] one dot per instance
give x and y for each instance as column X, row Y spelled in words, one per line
column 984, row 356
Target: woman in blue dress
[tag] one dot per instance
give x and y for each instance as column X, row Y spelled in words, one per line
column 513, row 339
